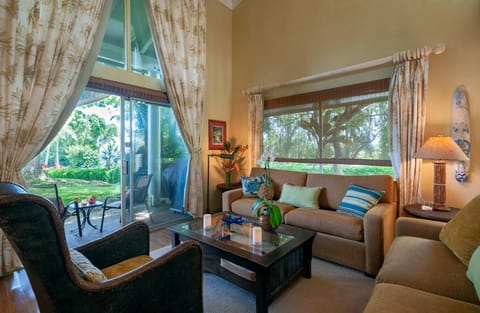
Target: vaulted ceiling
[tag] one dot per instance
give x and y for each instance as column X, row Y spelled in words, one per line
column 231, row 4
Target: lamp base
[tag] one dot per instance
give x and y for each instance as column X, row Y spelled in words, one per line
column 441, row 208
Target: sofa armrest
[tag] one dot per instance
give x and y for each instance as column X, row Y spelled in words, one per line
column 379, row 224
column 417, row 227
column 228, row 197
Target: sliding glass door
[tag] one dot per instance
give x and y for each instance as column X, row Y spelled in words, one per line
column 155, row 161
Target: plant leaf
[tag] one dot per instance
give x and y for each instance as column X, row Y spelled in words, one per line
column 275, row 216
column 257, row 205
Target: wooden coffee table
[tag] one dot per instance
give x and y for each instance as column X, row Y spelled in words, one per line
column 283, row 255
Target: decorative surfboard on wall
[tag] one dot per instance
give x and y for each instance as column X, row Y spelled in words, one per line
column 461, row 130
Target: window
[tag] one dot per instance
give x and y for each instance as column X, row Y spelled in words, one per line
column 343, row 130
column 140, row 55
column 123, row 128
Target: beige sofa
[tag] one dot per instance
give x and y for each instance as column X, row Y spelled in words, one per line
column 354, row 242
column 420, row 274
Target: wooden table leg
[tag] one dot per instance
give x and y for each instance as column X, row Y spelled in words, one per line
column 261, row 294
column 307, row 258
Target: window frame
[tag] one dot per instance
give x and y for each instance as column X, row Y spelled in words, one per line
column 359, row 89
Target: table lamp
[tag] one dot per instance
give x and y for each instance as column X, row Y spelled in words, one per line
column 439, row 149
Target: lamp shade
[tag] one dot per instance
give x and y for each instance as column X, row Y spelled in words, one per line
column 441, row 148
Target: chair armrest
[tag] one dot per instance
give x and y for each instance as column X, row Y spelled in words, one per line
column 417, row 227
column 379, row 224
column 109, row 198
column 171, row 283
column 230, row 196
column 131, row 240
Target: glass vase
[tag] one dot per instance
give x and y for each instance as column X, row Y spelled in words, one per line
column 228, row 178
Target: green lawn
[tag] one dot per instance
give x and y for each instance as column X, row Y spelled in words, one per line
column 70, row 189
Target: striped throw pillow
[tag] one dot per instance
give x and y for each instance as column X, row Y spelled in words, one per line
column 358, row 200
column 86, row 268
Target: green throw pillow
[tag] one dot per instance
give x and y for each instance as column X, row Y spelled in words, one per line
column 86, row 268
column 305, row 197
column 462, row 234
column 473, row 272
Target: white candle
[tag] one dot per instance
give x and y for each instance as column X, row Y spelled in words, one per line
column 256, row 235
column 207, row 220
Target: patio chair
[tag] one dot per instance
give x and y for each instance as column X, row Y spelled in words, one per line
column 169, row 283
column 50, row 191
column 140, row 193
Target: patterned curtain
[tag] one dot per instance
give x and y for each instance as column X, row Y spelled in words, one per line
column 179, row 31
column 255, row 124
column 46, row 47
column 407, row 97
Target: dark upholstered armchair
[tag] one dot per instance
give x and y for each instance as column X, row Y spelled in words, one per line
column 170, row 283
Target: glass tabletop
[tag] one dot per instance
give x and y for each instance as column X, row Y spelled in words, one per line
column 236, row 235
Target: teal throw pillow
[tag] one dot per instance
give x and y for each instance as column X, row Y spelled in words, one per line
column 473, row 272
column 305, row 197
column 358, row 200
column 250, row 185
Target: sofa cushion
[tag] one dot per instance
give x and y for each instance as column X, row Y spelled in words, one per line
column 335, row 187
column 243, row 207
column 281, row 177
column 87, row 270
column 358, row 200
column 326, row 221
column 473, row 272
column 462, row 233
column 400, row 299
column 426, row 265
column 250, row 185
column 299, row 196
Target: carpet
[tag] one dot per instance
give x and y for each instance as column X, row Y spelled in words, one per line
column 332, row 289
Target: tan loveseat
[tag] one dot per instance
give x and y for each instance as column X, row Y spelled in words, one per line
column 351, row 241
column 420, row 274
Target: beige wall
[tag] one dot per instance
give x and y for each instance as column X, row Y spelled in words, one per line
column 219, row 82
column 279, row 40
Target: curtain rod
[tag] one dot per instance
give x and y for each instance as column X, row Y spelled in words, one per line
column 438, row 49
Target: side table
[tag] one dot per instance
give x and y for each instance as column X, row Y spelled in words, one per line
column 224, row 187
column 443, row 216
column 221, row 188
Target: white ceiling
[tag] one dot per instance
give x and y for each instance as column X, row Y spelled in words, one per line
column 231, row 4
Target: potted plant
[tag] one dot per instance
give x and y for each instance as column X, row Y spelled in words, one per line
column 266, row 190
column 269, row 213
column 230, row 158
column 263, row 207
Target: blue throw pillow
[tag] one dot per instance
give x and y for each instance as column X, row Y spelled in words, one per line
column 250, row 185
column 358, row 200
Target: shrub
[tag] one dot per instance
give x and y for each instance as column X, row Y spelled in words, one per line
column 109, row 175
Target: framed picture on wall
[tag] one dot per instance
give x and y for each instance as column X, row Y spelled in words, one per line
column 217, row 132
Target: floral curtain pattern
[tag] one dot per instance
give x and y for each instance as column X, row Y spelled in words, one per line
column 45, row 47
column 179, row 32
column 407, row 101
column 255, row 125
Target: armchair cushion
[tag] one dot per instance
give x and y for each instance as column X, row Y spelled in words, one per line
column 462, row 234
column 473, row 272
column 87, row 270
column 125, row 266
